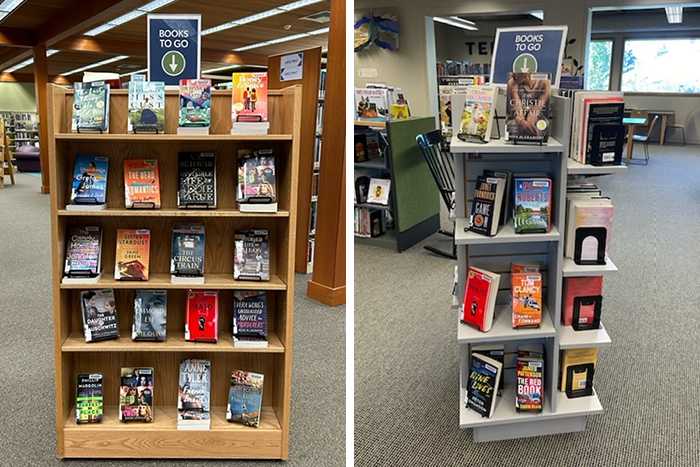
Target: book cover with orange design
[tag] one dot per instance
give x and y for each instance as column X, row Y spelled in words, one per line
column 250, row 97
column 131, row 261
column 141, row 183
column 527, row 299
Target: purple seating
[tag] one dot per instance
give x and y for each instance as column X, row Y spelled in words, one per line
column 28, row 159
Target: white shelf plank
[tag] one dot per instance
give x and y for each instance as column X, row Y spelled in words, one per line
column 571, row 269
column 506, row 234
column 571, row 339
column 502, row 329
column 576, row 168
column 501, row 146
column 589, row 405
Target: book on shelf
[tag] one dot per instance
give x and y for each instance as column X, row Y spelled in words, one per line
column 322, row 85
column 529, row 378
column 506, row 206
column 369, row 222
column 202, row 316
column 257, row 187
column 89, row 183
column 250, row 318
column 446, row 92
column 593, row 109
column 194, row 395
column 133, row 252
column 583, row 300
column 89, row 403
column 399, row 112
column 588, row 230
column 486, row 205
column 91, row 106
column 373, row 146
column 532, row 204
column 477, row 114
column 362, row 181
column 526, row 296
column 484, row 378
column 196, row 180
column 83, row 252
column 378, row 192
column 195, row 107
column 146, row 106
column 372, row 104
column 249, row 95
column 251, row 255
column 528, row 107
column 319, row 116
column 245, row 398
column 577, row 370
column 136, row 394
column 494, row 351
column 150, row 315
column 479, row 304
column 310, row 254
column 312, row 221
column 109, row 78
column 187, row 258
column 141, row 184
column 99, row 311
column 361, row 147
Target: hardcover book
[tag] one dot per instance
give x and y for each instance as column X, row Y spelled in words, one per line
column 194, row 389
column 89, row 404
column 527, row 106
column 606, row 133
column 196, row 180
column 480, row 298
column 245, row 398
column 586, row 289
column 589, row 228
column 83, row 251
column 584, row 360
column 494, row 351
column 99, row 315
column 136, row 394
column 250, row 313
column 150, row 315
column 484, row 378
column 249, row 97
column 379, row 191
column 251, row 255
column 533, row 205
column 187, row 257
column 202, row 316
column 529, row 379
column 477, row 115
column 91, row 106
column 486, row 205
column 256, row 176
column 526, row 295
column 132, row 257
column 506, row 206
column 89, row 179
column 195, row 103
column 141, row 184
column 146, row 106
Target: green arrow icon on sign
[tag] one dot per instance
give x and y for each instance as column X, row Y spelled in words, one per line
column 525, row 63
column 173, row 63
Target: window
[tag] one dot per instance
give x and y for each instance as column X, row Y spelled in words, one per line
column 661, row 65
column 599, row 60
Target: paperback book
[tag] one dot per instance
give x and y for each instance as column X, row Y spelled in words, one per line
column 146, row 106
column 250, row 318
column 583, row 297
column 371, row 104
column 245, row 398
column 132, row 257
column 99, row 315
column 529, row 381
column 136, row 394
column 256, row 178
column 196, row 180
column 187, row 259
column 150, row 315
column 83, row 252
column 484, row 379
column 378, row 192
column 89, row 179
column 527, row 107
column 195, row 104
column 249, row 97
column 526, row 294
column 89, row 405
column 477, row 115
column 577, row 370
column 194, row 389
column 533, row 205
column 251, row 255
column 202, row 316
column 91, row 106
column 141, row 184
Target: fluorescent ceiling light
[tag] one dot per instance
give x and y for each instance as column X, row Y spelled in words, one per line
column 28, row 62
column 8, row 6
column 140, row 11
column 228, row 67
column 133, row 72
column 95, row 65
column 538, row 14
column 457, row 22
column 674, row 14
column 259, row 16
column 282, row 39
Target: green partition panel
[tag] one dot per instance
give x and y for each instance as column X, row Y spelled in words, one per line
column 416, row 196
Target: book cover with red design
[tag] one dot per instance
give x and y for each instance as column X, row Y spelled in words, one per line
column 202, row 318
column 581, row 287
column 141, row 183
column 480, row 298
column 250, row 97
column 133, row 246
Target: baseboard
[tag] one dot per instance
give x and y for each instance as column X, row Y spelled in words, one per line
column 326, row 295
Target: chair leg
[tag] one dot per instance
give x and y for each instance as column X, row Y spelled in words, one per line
column 440, row 252
column 446, row 233
column 646, row 153
column 683, row 133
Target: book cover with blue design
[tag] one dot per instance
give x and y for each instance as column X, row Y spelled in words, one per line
column 533, row 205
column 484, row 378
column 146, row 106
column 245, row 398
column 150, row 315
column 91, row 106
column 89, row 179
column 249, row 313
column 195, row 103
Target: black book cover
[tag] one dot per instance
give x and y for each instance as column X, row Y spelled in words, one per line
column 89, row 404
column 481, row 388
column 249, row 313
column 527, row 106
column 606, row 133
column 483, row 206
column 188, row 250
column 83, row 249
column 507, row 198
column 256, row 176
column 136, row 394
column 150, row 315
column 251, row 255
column 377, row 223
column 99, row 315
column 196, row 180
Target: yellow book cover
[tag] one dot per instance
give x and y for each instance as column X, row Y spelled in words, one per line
column 131, row 261
column 399, row 112
column 577, row 357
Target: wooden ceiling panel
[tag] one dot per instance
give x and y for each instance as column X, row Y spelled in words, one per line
column 33, row 13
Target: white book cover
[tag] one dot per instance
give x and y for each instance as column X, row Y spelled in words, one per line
column 379, row 191
column 477, row 115
column 372, row 104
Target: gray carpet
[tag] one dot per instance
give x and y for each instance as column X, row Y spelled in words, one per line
column 407, row 359
column 27, row 411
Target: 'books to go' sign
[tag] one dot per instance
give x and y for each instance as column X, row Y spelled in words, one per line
column 174, row 47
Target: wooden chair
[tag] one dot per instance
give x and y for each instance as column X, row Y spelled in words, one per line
column 645, row 140
column 680, row 126
column 5, row 156
column 640, row 113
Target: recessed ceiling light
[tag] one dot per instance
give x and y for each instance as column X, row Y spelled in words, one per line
column 674, row 14
column 282, row 39
column 457, row 22
column 258, row 16
column 140, row 11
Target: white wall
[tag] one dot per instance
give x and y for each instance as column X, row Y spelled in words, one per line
column 17, row 96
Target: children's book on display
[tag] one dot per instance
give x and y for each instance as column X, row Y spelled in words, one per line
column 249, row 107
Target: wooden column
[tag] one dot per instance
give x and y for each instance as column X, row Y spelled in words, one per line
column 328, row 282
column 41, row 79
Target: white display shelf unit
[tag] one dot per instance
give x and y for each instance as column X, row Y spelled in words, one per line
column 576, row 168
column 560, row 414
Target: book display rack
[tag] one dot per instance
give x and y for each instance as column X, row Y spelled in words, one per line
column 560, row 414
column 161, row 438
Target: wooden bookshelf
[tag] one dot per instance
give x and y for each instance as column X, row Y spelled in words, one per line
column 161, row 439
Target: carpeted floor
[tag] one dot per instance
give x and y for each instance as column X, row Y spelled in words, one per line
column 27, row 411
column 407, row 358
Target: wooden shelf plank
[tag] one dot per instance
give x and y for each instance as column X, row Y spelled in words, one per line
column 150, row 137
column 219, row 212
column 570, row 339
column 162, row 281
column 502, row 328
column 506, row 234
column 576, row 168
column 162, row 439
column 375, row 124
column 175, row 342
column 571, row 269
column 501, row 146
